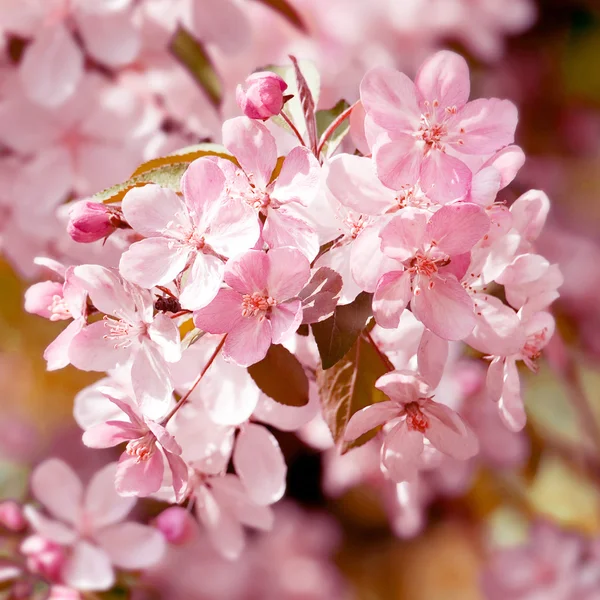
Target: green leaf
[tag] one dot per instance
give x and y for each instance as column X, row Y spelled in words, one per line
column 348, row 387
column 281, row 377
column 325, row 118
column 187, row 155
column 168, row 176
column 336, row 335
column 191, row 54
column 284, row 8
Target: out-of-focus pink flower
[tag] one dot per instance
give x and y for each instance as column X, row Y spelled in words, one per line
column 435, row 255
column 421, row 131
column 88, row 526
column 414, row 417
column 142, row 466
column 90, row 221
column 261, row 95
column 11, row 516
column 129, row 330
column 196, row 233
column 44, row 557
column 177, row 525
column 261, row 307
column 297, row 184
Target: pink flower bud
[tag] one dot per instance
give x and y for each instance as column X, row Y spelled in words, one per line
column 60, row 592
column 90, row 222
column 176, row 524
column 44, row 557
column 261, row 95
column 11, row 516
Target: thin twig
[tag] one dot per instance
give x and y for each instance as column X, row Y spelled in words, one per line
column 382, row 355
column 292, row 127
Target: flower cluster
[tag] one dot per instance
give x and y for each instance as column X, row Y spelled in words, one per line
column 292, row 277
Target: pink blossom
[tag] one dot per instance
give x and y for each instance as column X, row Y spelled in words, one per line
column 128, row 331
column 149, row 448
column 11, row 516
column 196, row 233
column 435, row 256
column 296, row 184
column 261, row 95
column 261, row 307
column 89, row 526
column 91, row 221
column 425, row 128
column 177, row 525
column 413, row 417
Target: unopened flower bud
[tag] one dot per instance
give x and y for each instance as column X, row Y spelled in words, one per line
column 261, row 95
column 11, row 516
column 44, row 557
column 90, row 221
column 176, row 524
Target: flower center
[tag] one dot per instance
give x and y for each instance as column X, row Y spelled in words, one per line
column 142, row 448
column 355, row 224
column 59, row 309
column 122, row 331
column 433, row 128
column 422, row 264
column 257, row 305
column 415, row 418
column 532, row 350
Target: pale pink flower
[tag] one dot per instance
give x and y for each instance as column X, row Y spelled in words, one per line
column 89, row 526
column 435, row 255
column 261, row 307
column 224, row 507
column 11, row 516
column 197, row 232
column 150, row 447
column 422, row 129
column 128, row 331
column 261, row 95
column 413, row 417
column 296, row 184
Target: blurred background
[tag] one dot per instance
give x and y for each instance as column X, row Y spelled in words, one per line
column 542, row 54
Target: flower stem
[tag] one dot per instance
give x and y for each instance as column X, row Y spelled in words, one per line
column 194, row 385
column 388, row 363
column 333, row 126
column 292, row 127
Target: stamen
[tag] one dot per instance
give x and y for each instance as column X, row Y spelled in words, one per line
column 415, row 418
column 257, row 305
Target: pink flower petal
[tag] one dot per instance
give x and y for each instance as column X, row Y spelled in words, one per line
column 399, row 161
column 149, row 209
column 163, row 331
column 370, row 417
column 529, row 213
column 401, row 453
column 248, row 272
column 288, row 272
column 485, row 186
column 299, row 178
column 507, row 162
column 248, row 342
column 224, row 530
column 109, row 434
column 153, row 261
column 445, row 178
column 132, row 545
column 151, row 381
column 253, row 146
column 404, row 234
column 446, row 308
column 52, row 67
column 354, row 183
column 203, row 186
column 444, row 77
column 392, row 295
column 285, row 320
column 390, row 98
column 57, row 352
column 139, row 478
column 88, row 568
column 48, row 528
column 456, row 228
column 112, row 39
column 510, row 405
column 90, row 351
column 402, row 386
column 179, row 475
column 494, row 382
column 39, row 297
column 102, row 505
column 57, row 487
column 203, row 282
column 284, row 229
column 484, row 126
column 431, row 357
column 448, row 432
column 164, row 438
column 222, row 314
column 234, row 228
column 260, row 465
